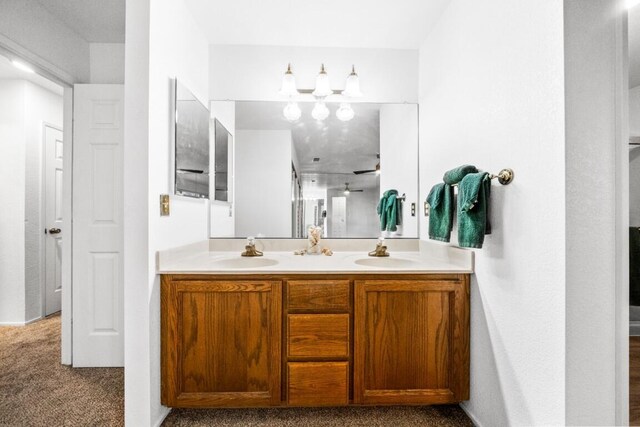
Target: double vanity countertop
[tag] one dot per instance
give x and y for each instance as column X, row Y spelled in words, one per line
column 350, row 256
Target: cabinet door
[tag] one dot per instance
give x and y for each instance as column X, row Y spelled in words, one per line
column 411, row 341
column 221, row 343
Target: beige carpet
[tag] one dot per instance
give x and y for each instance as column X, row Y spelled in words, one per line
column 36, row 390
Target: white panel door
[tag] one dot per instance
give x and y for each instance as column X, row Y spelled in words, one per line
column 53, row 148
column 338, row 216
column 98, row 312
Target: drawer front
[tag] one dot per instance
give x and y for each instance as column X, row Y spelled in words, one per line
column 318, row 335
column 318, row 383
column 318, row 295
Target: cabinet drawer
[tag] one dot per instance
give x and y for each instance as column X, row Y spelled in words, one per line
column 318, row 383
column 318, row 335
column 318, row 295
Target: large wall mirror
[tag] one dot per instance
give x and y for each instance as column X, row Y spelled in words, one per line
column 289, row 175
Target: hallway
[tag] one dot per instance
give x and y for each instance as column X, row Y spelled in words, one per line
column 36, row 390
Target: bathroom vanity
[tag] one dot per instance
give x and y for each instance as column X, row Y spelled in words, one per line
column 285, row 330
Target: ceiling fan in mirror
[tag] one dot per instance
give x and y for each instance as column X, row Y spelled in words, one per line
column 348, row 191
column 375, row 170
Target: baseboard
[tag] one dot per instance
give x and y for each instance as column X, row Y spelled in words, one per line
column 35, row 319
column 12, row 323
column 473, row 418
column 634, row 328
column 162, row 417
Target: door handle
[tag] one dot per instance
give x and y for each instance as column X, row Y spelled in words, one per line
column 54, row 231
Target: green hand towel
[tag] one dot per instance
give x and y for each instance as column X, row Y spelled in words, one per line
column 454, row 176
column 440, row 200
column 473, row 209
column 389, row 211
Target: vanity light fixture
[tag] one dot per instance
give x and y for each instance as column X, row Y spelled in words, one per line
column 352, row 86
column 292, row 111
column 22, row 66
column 323, row 88
column 345, row 112
column 320, row 111
column 288, row 88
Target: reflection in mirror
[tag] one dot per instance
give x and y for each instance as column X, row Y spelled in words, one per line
column 291, row 175
column 223, row 141
column 191, row 144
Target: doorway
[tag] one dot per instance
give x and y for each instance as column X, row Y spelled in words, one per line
column 53, row 144
column 31, row 119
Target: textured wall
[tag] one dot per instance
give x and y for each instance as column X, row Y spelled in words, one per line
column 254, row 73
column 491, row 94
column 154, row 55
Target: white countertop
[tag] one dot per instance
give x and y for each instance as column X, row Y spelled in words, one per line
column 208, row 258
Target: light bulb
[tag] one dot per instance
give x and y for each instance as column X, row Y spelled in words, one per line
column 347, row 192
column 288, row 88
column 323, row 88
column 320, row 111
column 292, row 111
column 345, row 112
column 352, row 86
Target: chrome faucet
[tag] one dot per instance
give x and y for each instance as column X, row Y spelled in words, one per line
column 381, row 249
column 250, row 248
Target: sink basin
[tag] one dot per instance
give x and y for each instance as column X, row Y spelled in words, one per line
column 387, row 262
column 244, row 262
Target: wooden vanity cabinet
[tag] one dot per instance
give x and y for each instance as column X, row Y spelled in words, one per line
column 309, row 340
column 221, row 342
column 411, row 340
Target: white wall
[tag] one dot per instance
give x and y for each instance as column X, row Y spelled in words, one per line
column 254, row 73
column 491, row 94
column 597, row 254
column 634, row 111
column 153, row 56
column 12, row 193
column 25, row 24
column 263, row 183
column 222, row 216
column 399, row 128
column 634, row 158
column 24, row 108
column 106, row 63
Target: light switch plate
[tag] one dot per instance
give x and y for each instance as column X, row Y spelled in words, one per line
column 165, row 208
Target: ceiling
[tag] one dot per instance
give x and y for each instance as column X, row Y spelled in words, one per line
column 398, row 24
column 342, row 147
column 634, row 46
column 94, row 20
column 8, row 71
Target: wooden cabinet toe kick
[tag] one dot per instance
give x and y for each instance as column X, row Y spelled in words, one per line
column 306, row 340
